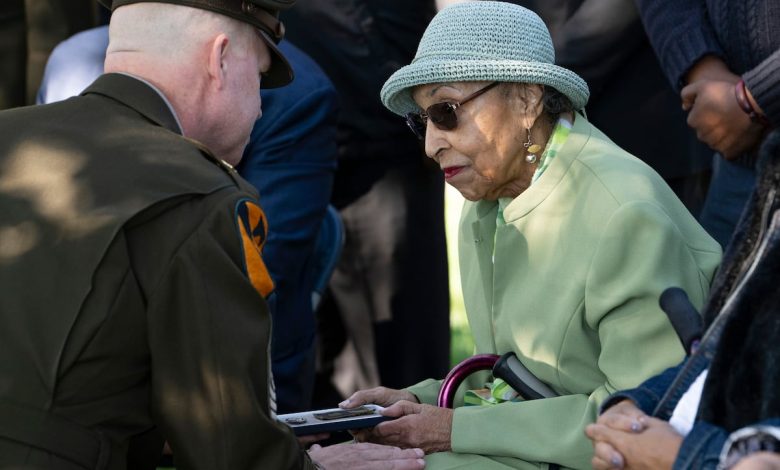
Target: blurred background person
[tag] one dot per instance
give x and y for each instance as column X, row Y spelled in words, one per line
column 389, row 297
column 29, row 30
column 723, row 57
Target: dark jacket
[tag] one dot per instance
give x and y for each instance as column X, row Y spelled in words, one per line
column 744, row 33
column 291, row 159
column 359, row 44
column 132, row 303
column 743, row 331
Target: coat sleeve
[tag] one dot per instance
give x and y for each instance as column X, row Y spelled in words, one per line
column 703, row 445
column 681, row 34
column 763, row 81
column 641, row 252
column 209, row 340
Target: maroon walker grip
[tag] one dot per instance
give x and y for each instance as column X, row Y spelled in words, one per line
column 459, row 373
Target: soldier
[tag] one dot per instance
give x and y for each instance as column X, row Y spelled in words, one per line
column 130, row 257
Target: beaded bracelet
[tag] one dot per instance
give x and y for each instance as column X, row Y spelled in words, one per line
column 741, row 94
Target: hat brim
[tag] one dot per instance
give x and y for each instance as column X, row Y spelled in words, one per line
column 281, row 72
column 396, row 93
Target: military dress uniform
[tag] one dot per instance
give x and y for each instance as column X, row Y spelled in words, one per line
column 133, row 293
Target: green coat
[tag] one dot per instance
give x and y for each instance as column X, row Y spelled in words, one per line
column 132, row 305
column 579, row 267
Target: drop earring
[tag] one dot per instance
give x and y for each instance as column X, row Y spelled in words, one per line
column 531, row 147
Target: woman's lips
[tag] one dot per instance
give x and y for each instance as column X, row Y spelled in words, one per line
column 451, row 171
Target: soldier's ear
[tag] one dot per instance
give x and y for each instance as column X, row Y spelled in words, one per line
column 217, row 60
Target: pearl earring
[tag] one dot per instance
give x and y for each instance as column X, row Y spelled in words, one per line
column 531, row 147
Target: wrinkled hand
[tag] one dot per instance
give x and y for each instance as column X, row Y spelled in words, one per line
column 425, row 426
column 759, row 461
column 366, row 456
column 717, row 118
column 654, row 447
column 381, row 396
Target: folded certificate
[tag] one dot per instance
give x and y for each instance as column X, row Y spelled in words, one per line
column 333, row 419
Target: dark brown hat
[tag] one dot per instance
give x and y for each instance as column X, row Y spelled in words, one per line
column 262, row 14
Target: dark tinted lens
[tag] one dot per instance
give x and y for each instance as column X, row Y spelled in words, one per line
column 417, row 124
column 443, row 116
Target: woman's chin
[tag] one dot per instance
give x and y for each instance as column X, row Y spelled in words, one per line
column 467, row 194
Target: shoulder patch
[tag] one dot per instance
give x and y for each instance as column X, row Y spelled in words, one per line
column 253, row 228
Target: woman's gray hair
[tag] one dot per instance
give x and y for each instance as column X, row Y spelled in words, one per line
column 555, row 103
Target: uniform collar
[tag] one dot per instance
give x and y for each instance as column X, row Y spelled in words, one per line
column 138, row 94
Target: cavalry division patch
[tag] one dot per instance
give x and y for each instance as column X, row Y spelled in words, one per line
column 253, row 228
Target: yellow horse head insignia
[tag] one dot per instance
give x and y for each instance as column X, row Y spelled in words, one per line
column 253, row 228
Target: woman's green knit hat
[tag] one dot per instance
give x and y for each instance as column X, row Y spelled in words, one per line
column 483, row 41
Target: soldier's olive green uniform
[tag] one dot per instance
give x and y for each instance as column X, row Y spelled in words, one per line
column 132, row 293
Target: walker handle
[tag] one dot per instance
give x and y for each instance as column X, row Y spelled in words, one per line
column 459, row 373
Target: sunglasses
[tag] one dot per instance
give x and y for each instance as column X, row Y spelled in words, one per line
column 442, row 115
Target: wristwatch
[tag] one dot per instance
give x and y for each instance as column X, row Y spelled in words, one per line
column 746, row 441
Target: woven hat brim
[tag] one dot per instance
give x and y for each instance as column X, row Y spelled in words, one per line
column 396, row 93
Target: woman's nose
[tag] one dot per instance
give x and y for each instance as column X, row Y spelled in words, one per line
column 435, row 141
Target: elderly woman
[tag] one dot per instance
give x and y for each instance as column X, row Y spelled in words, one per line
column 566, row 242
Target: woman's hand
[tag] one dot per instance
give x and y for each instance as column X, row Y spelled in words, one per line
column 424, row 426
column 623, row 416
column 381, row 396
column 366, row 456
column 718, row 119
column 654, row 447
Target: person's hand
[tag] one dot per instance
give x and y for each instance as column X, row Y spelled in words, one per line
column 759, row 461
column 381, row 396
column 366, row 456
column 623, row 416
column 306, row 441
column 654, row 447
column 425, row 426
column 718, row 119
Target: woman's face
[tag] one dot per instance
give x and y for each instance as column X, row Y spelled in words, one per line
column 484, row 156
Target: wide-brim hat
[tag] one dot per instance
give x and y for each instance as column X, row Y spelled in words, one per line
column 262, row 14
column 483, row 41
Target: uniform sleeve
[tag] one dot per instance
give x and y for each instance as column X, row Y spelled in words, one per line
column 640, row 253
column 681, row 34
column 209, row 335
